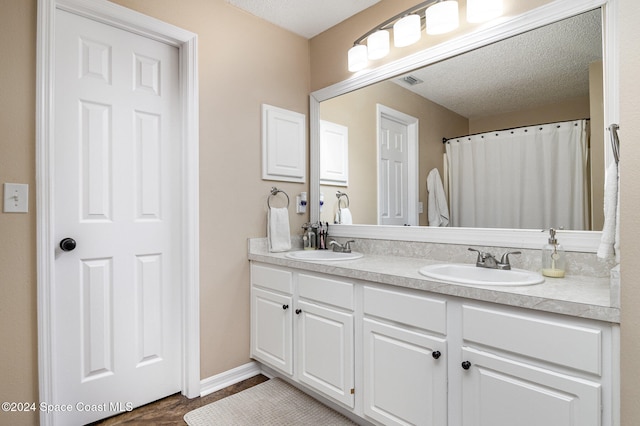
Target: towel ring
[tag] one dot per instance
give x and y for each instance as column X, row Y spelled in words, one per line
column 274, row 192
column 339, row 195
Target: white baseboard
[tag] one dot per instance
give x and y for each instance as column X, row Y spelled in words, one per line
column 228, row 378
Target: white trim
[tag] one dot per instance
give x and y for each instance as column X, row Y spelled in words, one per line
column 413, row 139
column 186, row 42
column 231, row 377
column 552, row 12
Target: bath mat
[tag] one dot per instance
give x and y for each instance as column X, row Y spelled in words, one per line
column 273, row 402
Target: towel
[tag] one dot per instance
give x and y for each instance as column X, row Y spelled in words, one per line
column 344, row 217
column 609, row 243
column 438, row 210
column 278, row 232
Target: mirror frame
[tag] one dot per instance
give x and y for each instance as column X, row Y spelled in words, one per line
column 580, row 241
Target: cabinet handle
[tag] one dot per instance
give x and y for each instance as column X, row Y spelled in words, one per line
column 436, row 354
column 466, row 365
column 285, row 307
column 298, row 311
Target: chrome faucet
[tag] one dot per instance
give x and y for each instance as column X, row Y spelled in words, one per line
column 341, row 248
column 487, row 260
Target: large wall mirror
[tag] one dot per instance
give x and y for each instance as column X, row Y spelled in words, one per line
column 548, row 74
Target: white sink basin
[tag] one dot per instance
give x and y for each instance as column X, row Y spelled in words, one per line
column 322, row 255
column 472, row 275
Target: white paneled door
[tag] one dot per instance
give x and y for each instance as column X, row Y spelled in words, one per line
column 393, row 172
column 397, row 168
column 116, row 297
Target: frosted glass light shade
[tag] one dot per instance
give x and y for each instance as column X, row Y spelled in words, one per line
column 357, row 57
column 442, row 17
column 406, row 31
column 483, row 10
column 378, row 44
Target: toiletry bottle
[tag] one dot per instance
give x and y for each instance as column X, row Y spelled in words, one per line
column 307, row 237
column 313, row 236
column 553, row 257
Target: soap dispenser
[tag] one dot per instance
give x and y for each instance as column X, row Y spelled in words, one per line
column 553, row 257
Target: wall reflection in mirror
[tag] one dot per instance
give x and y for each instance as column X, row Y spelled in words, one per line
column 523, row 120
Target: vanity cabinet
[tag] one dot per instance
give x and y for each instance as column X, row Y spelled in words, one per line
column 271, row 318
column 325, row 336
column 398, row 356
column 303, row 325
column 404, row 358
column 521, row 368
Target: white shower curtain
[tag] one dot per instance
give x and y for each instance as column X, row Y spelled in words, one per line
column 529, row 177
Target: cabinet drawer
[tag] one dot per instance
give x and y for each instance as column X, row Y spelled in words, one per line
column 326, row 290
column 406, row 308
column 554, row 341
column 272, row 278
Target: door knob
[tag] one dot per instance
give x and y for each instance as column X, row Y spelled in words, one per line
column 67, row 244
column 285, row 307
column 298, row 311
column 466, row 365
column 436, row 354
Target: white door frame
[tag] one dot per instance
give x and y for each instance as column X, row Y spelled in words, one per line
column 412, row 152
column 186, row 42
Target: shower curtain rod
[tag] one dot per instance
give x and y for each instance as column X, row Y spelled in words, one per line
column 445, row 140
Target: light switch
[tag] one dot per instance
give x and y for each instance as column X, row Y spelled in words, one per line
column 16, row 198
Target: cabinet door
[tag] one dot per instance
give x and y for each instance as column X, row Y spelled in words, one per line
column 405, row 378
column 501, row 392
column 271, row 329
column 325, row 351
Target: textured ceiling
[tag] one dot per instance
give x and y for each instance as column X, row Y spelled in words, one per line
column 307, row 18
column 532, row 69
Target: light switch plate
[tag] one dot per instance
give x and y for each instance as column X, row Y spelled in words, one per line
column 16, row 198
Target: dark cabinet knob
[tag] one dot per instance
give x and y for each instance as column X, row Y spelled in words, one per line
column 436, row 354
column 67, row 244
column 285, row 307
column 298, row 311
column 466, row 365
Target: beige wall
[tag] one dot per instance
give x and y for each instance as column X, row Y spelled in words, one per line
column 18, row 323
column 570, row 109
column 629, row 34
column 243, row 62
column 357, row 111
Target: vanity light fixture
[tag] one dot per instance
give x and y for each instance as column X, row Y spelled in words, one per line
column 440, row 16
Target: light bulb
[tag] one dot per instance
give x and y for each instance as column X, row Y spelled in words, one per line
column 357, row 57
column 378, row 44
column 442, row 17
column 406, row 31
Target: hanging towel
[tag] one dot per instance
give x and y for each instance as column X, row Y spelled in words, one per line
column 344, row 217
column 610, row 231
column 438, row 210
column 278, row 232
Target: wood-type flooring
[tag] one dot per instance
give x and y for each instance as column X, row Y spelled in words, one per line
column 170, row 410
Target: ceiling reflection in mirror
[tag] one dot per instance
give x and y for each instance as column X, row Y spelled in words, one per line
column 548, row 75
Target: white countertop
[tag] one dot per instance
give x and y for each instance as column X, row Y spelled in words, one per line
column 579, row 296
